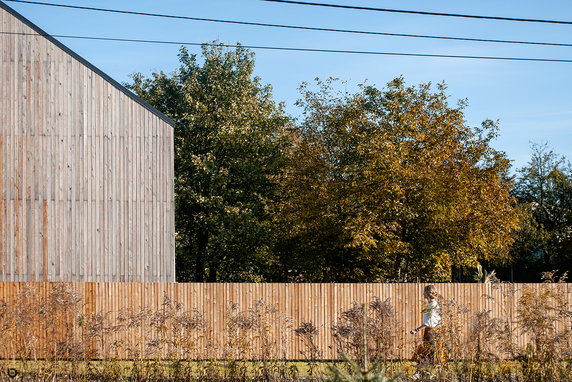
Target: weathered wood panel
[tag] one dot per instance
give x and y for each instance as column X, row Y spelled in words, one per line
column 145, row 316
column 86, row 169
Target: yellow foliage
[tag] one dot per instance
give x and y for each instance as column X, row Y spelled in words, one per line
column 392, row 185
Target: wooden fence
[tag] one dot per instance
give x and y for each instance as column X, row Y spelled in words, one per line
column 129, row 320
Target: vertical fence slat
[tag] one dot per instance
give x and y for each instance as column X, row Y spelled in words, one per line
column 320, row 304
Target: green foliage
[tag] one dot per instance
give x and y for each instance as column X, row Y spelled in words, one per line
column 379, row 185
column 351, row 371
column 544, row 191
column 228, row 145
column 391, row 185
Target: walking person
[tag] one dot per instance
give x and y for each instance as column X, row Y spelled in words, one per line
column 429, row 351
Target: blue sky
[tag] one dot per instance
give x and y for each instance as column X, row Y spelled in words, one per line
column 532, row 100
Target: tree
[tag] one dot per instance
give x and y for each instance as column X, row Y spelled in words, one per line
column 391, row 185
column 544, row 191
column 228, row 143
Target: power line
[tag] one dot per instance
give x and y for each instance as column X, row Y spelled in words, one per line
column 498, row 18
column 298, row 27
column 294, row 49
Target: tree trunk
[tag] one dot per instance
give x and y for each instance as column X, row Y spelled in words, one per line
column 202, row 241
column 212, row 273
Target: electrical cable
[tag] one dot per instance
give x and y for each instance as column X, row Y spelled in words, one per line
column 298, row 27
column 277, row 48
column 424, row 13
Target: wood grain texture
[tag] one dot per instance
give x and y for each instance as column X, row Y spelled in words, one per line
column 74, row 150
column 287, row 307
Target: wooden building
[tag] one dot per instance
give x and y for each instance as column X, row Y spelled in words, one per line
column 86, row 168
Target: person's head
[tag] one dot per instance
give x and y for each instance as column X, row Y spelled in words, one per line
column 430, row 292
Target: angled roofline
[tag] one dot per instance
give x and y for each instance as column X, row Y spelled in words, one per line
column 82, row 60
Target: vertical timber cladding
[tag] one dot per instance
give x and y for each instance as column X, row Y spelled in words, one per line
column 86, row 168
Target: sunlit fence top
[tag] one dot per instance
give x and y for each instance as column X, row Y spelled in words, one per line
column 258, row 321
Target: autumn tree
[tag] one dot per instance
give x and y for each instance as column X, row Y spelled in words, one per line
column 544, row 191
column 391, row 184
column 228, row 143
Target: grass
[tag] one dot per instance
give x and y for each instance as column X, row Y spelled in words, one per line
column 344, row 370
